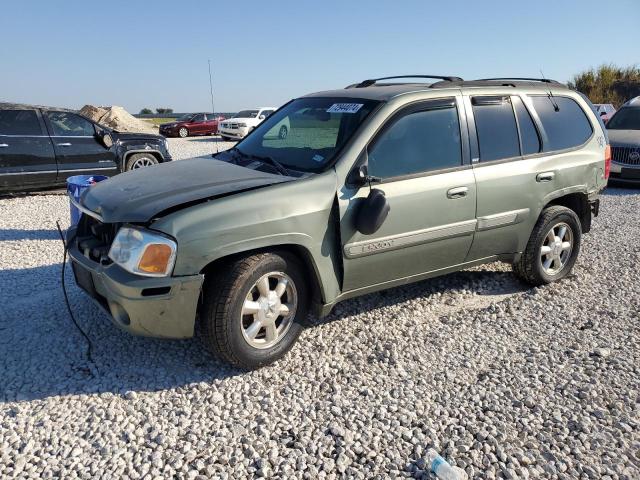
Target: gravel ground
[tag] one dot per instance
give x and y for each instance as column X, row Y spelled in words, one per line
column 181, row 148
column 503, row 380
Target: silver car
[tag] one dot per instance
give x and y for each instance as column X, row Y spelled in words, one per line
column 624, row 137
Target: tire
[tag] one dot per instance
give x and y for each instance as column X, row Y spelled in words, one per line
column 537, row 267
column 283, row 132
column 231, row 295
column 183, row 132
column 140, row 160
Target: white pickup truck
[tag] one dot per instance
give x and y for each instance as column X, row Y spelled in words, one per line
column 239, row 126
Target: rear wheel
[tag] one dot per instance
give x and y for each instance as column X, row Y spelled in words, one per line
column 254, row 309
column 183, row 132
column 140, row 160
column 552, row 249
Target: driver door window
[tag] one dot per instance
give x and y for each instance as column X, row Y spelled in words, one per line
column 198, row 118
column 417, row 142
column 66, row 124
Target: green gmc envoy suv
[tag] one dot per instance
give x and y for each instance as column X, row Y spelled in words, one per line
column 376, row 185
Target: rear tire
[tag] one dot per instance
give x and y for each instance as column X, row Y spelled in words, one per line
column 244, row 314
column 552, row 249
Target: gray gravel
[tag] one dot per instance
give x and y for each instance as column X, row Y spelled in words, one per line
column 503, row 380
column 181, row 148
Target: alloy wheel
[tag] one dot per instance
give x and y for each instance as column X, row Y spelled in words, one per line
column 268, row 310
column 143, row 162
column 556, row 248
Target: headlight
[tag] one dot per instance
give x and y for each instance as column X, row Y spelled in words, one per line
column 143, row 252
column 166, row 144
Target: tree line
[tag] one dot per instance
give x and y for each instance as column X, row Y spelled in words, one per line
column 608, row 84
column 161, row 110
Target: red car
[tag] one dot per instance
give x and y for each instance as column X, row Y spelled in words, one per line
column 191, row 124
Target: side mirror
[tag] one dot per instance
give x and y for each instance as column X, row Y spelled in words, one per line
column 105, row 138
column 361, row 177
column 261, row 117
column 372, row 212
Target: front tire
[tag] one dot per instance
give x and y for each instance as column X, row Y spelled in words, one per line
column 140, row 160
column 183, row 132
column 254, row 309
column 552, row 249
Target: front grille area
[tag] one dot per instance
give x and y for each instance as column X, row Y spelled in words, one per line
column 626, row 155
column 94, row 238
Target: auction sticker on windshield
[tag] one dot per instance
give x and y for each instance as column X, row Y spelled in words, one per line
column 344, row 107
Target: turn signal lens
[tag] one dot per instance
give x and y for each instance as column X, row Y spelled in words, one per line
column 607, row 162
column 155, row 258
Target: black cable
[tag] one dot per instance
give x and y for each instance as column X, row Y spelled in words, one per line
column 66, row 297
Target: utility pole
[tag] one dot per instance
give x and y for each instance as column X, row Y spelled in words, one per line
column 213, row 110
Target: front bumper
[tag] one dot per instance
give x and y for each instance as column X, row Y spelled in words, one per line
column 624, row 173
column 152, row 307
column 233, row 133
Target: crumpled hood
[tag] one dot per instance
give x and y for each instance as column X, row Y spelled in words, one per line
column 628, row 138
column 140, row 195
column 124, row 136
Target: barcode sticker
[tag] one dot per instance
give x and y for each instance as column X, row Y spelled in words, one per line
column 344, row 107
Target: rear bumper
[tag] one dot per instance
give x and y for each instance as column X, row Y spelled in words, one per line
column 152, row 307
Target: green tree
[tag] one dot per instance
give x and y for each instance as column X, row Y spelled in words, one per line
column 164, row 110
column 608, row 84
column 146, row 111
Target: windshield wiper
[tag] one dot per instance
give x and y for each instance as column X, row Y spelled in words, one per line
column 265, row 159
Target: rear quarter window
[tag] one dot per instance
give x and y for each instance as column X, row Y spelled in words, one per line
column 567, row 126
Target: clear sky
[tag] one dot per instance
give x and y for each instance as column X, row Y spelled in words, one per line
column 263, row 53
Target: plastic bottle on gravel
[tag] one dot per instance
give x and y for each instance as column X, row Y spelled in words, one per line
column 441, row 467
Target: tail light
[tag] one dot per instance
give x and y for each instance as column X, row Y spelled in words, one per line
column 607, row 161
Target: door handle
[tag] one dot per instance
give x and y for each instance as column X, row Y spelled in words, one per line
column 64, row 144
column 4, row 145
column 457, row 192
column 545, row 176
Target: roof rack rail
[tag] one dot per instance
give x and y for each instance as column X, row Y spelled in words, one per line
column 526, row 79
column 373, row 81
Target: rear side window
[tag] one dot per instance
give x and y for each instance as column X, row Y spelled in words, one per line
column 529, row 138
column 496, row 128
column 567, row 126
column 19, row 122
column 418, row 142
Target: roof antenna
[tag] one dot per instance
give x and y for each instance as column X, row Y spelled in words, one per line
column 550, row 95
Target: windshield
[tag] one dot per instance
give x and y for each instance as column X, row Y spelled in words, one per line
column 186, row 117
column 307, row 133
column 247, row 114
column 627, row 118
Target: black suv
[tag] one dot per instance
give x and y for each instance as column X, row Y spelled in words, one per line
column 42, row 146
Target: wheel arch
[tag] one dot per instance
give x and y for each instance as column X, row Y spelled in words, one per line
column 579, row 203
column 299, row 252
column 128, row 153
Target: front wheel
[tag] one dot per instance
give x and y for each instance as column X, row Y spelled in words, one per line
column 254, row 309
column 140, row 160
column 183, row 132
column 552, row 249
